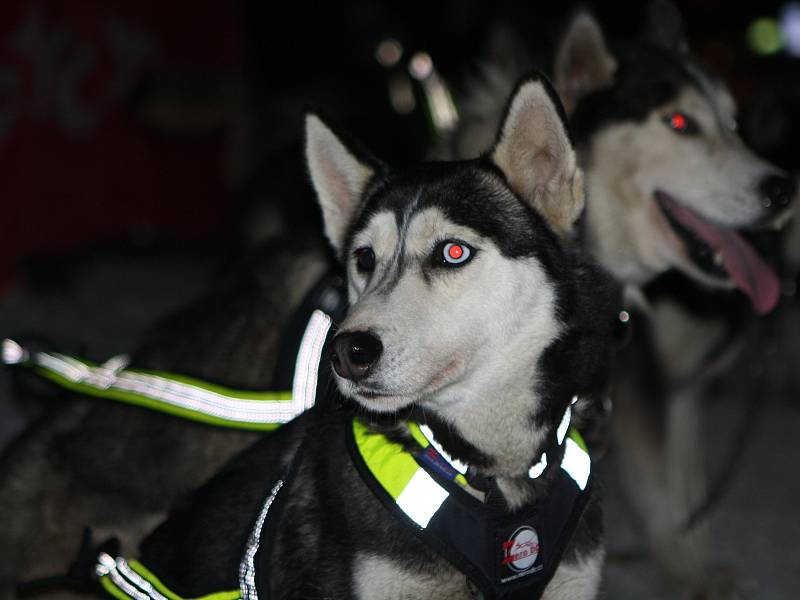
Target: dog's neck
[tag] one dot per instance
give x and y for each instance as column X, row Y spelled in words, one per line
column 516, row 488
column 497, row 419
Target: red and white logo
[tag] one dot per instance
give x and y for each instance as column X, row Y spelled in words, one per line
column 521, row 550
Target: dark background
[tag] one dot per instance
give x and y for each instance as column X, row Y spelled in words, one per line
column 156, row 123
column 144, row 146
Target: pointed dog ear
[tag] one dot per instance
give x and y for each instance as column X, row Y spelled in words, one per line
column 583, row 61
column 339, row 174
column 665, row 27
column 534, row 152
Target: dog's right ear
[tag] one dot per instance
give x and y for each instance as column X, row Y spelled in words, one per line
column 534, row 152
column 583, row 61
column 339, row 176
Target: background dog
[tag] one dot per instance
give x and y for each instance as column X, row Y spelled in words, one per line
column 671, row 188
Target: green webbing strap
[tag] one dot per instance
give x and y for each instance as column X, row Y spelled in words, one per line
column 184, row 396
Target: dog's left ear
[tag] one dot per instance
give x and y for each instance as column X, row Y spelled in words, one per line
column 339, row 173
column 534, row 152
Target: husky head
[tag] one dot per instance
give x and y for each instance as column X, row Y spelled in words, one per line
column 464, row 298
column 670, row 183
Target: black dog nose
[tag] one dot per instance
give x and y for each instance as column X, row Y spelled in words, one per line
column 777, row 192
column 354, row 353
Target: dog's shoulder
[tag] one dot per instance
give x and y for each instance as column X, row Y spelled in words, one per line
column 197, row 549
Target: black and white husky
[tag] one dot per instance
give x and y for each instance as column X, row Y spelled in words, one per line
column 671, row 191
column 82, row 466
column 468, row 311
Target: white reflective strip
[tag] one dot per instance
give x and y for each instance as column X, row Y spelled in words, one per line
column 247, row 568
column 421, row 498
column 304, row 385
column 74, row 363
column 198, row 399
column 117, row 363
column 105, row 375
column 117, row 570
column 138, row 580
column 205, row 401
column 538, row 468
column 576, row 463
column 13, row 353
column 62, row 367
column 561, row 432
column 456, row 464
column 104, row 564
column 126, row 587
column 175, row 393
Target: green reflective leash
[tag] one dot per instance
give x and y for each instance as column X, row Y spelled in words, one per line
column 183, row 396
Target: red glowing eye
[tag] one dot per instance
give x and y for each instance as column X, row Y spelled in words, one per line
column 455, row 253
column 678, row 121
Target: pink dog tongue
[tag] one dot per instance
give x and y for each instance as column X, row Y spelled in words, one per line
column 748, row 271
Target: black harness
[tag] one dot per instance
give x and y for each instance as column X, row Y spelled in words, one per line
column 504, row 554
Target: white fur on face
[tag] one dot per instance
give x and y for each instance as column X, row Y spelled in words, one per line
column 383, row 237
column 464, row 343
column 713, row 173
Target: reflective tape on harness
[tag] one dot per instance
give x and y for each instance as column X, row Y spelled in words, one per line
column 409, row 485
column 184, row 396
column 417, row 493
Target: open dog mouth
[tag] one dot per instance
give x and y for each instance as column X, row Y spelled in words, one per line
column 723, row 253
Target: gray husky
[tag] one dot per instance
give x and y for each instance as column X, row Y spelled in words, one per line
column 470, row 313
column 671, row 192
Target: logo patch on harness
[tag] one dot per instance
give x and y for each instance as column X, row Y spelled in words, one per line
column 520, row 551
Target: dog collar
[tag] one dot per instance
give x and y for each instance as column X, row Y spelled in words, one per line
column 505, row 555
